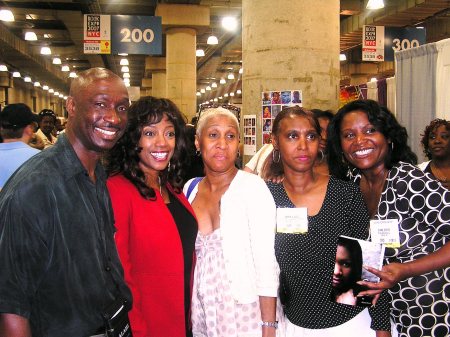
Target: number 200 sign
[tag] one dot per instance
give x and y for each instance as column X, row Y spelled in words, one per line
column 136, row 35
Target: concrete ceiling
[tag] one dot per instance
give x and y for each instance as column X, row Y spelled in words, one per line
column 62, row 20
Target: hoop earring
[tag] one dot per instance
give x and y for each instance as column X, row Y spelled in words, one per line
column 276, row 156
column 238, row 153
column 198, row 153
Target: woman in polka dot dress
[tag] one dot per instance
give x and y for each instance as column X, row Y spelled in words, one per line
column 368, row 140
column 236, row 273
column 306, row 249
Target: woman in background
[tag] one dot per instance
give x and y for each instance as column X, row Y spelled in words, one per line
column 324, row 208
column 324, row 118
column 236, row 274
column 436, row 145
column 156, row 227
column 367, row 144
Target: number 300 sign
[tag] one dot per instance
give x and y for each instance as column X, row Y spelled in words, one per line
column 136, row 35
column 403, row 44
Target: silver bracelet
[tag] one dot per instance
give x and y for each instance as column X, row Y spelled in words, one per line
column 269, row 324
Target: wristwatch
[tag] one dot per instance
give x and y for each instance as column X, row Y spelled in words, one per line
column 269, row 324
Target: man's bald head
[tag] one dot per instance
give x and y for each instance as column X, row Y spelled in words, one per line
column 85, row 78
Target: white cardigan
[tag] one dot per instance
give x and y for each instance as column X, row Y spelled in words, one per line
column 248, row 225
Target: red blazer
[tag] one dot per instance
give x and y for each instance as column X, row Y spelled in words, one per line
column 151, row 252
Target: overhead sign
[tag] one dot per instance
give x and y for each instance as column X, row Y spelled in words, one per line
column 136, row 34
column 380, row 43
column 97, row 34
column 373, row 43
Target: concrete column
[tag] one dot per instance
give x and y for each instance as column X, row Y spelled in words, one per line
column 290, row 45
column 181, row 23
column 157, row 67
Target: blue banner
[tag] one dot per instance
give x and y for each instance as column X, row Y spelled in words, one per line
column 396, row 39
column 136, row 34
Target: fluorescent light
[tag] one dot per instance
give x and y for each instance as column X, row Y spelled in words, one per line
column 198, row 93
column 51, row 90
column 127, row 84
column 199, row 53
column 16, row 74
column 229, row 23
column 45, row 87
column 214, row 85
column 30, row 36
column 6, row 15
column 241, row 70
column 61, row 95
column 226, row 95
column 212, row 40
column 65, row 97
column 122, row 54
column 208, row 88
column 65, row 68
column 126, row 80
column 37, row 84
column 56, row 93
column 342, row 57
column 56, row 60
column 239, row 91
column 373, row 79
column 222, row 81
column 46, row 51
column 230, row 76
column 231, row 94
column 73, row 74
column 126, row 75
column 3, row 67
column 202, row 91
column 125, row 69
column 27, row 79
column 124, row 62
column 375, row 4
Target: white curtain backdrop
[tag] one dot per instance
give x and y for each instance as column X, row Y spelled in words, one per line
column 390, row 95
column 443, row 80
column 372, row 91
column 416, row 91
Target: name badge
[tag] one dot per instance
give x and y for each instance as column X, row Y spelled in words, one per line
column 385, row 232
column 292, row 220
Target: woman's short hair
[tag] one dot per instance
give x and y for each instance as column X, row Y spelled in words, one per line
column 430, row 128
column 124, row 156
column 207, row 114
column 384, row 121
column 328, row 114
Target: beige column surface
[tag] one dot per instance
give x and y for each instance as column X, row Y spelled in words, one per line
column 290, row 45
column 181, row 73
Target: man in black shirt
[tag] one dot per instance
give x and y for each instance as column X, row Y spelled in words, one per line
column 59, row 265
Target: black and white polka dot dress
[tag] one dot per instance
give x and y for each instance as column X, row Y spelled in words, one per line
column 307, row 260
column 420, row 305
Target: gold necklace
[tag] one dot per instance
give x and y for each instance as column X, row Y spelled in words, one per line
column 438, row 173
column 160, row 187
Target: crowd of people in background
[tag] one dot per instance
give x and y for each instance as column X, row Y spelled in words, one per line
column 130, row 208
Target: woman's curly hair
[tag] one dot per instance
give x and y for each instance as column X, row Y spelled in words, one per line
column 384, row 121
column 124, row 156
column 426, row 134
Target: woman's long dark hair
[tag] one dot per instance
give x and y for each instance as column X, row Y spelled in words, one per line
column 124, row 156
column 384, row 121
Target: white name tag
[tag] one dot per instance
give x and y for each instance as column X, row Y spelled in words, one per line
column 292, row 220
column 385, row 232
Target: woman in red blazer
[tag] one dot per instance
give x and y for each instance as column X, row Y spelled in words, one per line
column 156, row 226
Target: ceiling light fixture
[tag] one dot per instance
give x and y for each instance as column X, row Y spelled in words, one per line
column 373, row 79
column 56, row 60
column 61, row 95
column 127, row 84
column 37, row 84
column 202, row 91
column 375, row 4
column 208, row 88
column 65, row 97
column 342, row 57
column 226, row 95
column 27, row 79
column 239, row 91
column 124, row 62
column 45, row 87
column 126, row 75
column 51, row 90
column 3, row 67
column 65, row 68
column 126, row 80
column 198, row 93
column 125, row 69
column 215, row 99
column 46, row 51
column 6, row 15
column 30, row 36
column 199, row 53
column 212, row 40
column 122, row 54
column 56, row 93
column 214, row 85
column 230, row 76
column 16, row 74
column 229, row 23
column 222, row 81
column 231, row 94
column 241, row 70
column 73, row 74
